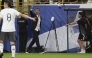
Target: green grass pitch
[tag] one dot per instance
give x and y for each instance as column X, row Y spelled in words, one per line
column 49, row 55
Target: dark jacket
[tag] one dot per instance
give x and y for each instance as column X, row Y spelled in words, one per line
column 34, row 23
column 22, row 23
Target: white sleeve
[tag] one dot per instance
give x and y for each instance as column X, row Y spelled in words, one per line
column 17, row 13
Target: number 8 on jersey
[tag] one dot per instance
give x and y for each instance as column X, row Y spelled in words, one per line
column 8, row 17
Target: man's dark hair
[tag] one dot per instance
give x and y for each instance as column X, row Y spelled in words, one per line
column 8, row 3
column 82, row 14
column 38, row 8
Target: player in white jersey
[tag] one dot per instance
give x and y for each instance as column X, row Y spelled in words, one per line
column 8, row 26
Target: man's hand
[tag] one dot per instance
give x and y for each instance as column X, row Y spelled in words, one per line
column 66, row 24
column 0, row 19
column 31, row 7
column 26, row 16
column 33, row 19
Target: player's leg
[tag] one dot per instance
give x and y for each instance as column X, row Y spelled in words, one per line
column 82, row 47
column 2, row 38
column 13, row 49
column 25, row 37
column 1, row 48
column 30, row 45
column 81, row 43
column 20, row 42
column 88, row 43
column 12, row 42
column 37, row 40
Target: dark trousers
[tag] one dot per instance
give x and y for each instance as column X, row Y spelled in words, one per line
column 35, row 40
column 23, row 36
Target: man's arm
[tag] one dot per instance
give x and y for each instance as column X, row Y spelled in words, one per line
column 31, row 11
column 0, row 19
column 72, row 23
column 1, row 16
column 26, row 16
column 23, row 15
column 32, row 14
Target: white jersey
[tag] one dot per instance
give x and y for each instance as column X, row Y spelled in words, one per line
column 8, row 15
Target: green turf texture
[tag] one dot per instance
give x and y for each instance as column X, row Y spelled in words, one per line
column 49, row 55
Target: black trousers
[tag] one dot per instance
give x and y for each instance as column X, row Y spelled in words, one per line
column 23, row 36
column 35, row 40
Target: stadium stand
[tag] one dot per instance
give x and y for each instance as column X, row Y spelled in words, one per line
column 25, row 3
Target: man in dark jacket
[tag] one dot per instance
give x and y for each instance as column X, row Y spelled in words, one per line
column 23, row 33
column 35, row 28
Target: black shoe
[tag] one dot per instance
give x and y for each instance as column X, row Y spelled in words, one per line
column 1, row 54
